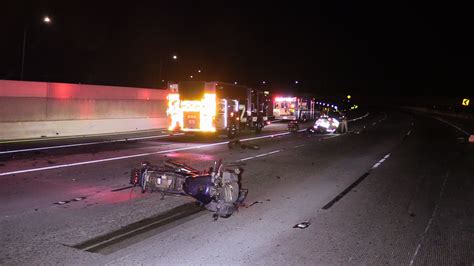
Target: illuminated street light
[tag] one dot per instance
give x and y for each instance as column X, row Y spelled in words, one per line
column 199, row 71
column 46, row 19
column 191, row 76
column 235, row 83
column 296, row 82
column 263, row 82
column 175, row 57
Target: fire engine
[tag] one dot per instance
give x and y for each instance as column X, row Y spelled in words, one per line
column 212, row 107
column 293, row 108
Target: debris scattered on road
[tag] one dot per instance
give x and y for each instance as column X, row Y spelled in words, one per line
column 255, row 202
column 236, row 143
column 250, row 146
column 67, row 201
column 302, row 225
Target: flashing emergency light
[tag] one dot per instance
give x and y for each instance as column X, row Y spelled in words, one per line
column 206, row 108
column 174, row 111
column 285, row 99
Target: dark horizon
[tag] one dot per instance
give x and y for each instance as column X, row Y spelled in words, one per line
column 368, row 50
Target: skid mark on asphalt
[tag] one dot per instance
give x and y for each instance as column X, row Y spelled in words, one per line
column 353, row 185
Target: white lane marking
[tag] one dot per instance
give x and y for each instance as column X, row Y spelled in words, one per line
column 257, row 156
column 433, row 215
column 334, row 136
column 86, row 144
column 456, row 127
column 267, row 136
column 374, row 123
column 409, row 133
column 380, row 161
column 268, row 153
column 132, row 156
column 297, row 146
column 245, row 159
column 358, row 118
column 376, row 165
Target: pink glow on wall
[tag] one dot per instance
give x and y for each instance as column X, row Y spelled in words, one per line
column 12, row 88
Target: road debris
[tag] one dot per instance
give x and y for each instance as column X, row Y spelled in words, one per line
column 255, row 202
column 302, row 225
column 237, row 143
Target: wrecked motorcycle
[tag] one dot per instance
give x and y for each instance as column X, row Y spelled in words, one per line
column 217, row 189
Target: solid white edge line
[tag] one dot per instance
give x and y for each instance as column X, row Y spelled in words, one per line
column 376, row 165
column 85, row 144
column 355, row 119
column 132, row 156
column 456, row 127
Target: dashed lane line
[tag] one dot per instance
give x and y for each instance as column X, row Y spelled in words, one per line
column 258, row 156
column 134, row 155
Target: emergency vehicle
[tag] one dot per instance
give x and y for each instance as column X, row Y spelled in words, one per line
column 293, row 108
column 213, row 107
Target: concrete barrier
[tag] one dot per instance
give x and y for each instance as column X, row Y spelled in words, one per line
column 40, row 109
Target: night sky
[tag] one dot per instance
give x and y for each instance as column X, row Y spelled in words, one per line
column 389, row 48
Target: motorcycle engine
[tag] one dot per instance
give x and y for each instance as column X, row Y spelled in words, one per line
column 229, row 190
column 159, row 181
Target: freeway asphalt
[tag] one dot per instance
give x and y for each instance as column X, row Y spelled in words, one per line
column 397, row 190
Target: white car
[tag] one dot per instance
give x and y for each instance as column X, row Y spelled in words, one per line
column 324, row 124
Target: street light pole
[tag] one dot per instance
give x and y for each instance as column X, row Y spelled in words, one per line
column 23, row 52
column 174, row 57
column 46, row 20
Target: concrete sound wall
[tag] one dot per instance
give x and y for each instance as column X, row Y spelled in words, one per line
column 40, row 109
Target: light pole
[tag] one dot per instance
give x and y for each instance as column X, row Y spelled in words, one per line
column 46, row 20
column 174, row 57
